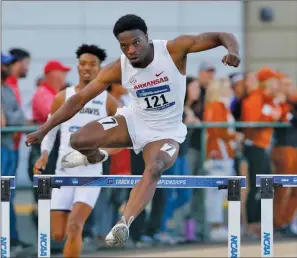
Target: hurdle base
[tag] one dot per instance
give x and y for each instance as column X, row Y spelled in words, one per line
column 267, row 235
column 5, row 217
column 234, row 211
column 44, row 192
column 5, row 189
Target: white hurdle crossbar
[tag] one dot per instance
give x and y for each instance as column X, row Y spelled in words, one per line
column 46, row 183
column 267, row 184
column 7, row 183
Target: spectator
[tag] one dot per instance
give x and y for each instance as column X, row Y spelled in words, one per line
column 52, row 82
column 258, row 106
column 11, row 114
column 237, row 83
column 220, row 152
column 192, row 96
column 19, row 70
column 206, row 75
column 284, row 160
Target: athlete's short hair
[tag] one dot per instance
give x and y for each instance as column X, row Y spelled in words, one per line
column 93, row 50
column 129, row 22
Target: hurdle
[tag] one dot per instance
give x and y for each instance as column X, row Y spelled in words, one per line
column 45, row 183
column 267, row 184
column 7, row 183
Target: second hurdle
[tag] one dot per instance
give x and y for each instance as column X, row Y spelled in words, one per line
column 267, row 184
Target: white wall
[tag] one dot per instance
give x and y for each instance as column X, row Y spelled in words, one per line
column 54, row 29
column 280, row 35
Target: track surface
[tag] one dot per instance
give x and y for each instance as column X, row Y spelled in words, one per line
column 287, row 249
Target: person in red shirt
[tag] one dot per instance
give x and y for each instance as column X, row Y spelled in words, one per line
column 54, row 80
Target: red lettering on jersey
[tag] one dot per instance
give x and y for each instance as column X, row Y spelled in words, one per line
column 151, row 83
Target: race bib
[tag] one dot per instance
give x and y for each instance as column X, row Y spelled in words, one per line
column 155, row 98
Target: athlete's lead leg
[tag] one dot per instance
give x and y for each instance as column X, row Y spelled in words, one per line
column 109, row 132
column 158, row 157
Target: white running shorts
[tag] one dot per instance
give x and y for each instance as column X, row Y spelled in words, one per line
column 141, row 133
column 64, row 198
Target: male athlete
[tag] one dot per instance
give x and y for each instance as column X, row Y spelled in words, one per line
column 70, row 207
column 154, row 73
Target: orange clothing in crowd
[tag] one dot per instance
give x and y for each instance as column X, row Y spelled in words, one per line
column 218, row 112
column 257, row 107
column 284, row 160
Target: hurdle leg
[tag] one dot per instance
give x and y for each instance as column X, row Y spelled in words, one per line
column 267, row 193
column 44, row 219
column 5, row 217
column 234, row 207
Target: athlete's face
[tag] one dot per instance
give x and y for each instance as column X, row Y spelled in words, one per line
column 88, row 67
column 135, row 45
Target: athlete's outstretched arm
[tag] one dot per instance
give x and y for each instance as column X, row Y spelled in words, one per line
column 108, row 75
column 186, row 44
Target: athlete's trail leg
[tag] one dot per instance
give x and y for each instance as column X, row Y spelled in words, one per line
column 76, row 221
column 109, row 132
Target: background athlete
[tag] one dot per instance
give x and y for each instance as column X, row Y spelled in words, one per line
column 70, row 207
column 154, row 73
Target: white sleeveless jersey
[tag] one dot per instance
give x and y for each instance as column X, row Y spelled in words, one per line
column 93, row 110
column 157, row 92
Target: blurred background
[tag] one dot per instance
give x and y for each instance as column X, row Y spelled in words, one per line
column 36, row 33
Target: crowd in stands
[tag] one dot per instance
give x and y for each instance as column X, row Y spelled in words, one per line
column 176, row 215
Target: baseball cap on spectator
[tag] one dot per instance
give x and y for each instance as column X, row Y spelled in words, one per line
column 206, row 66
column 6, row 58
column 267, row 73
column 54, row 65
